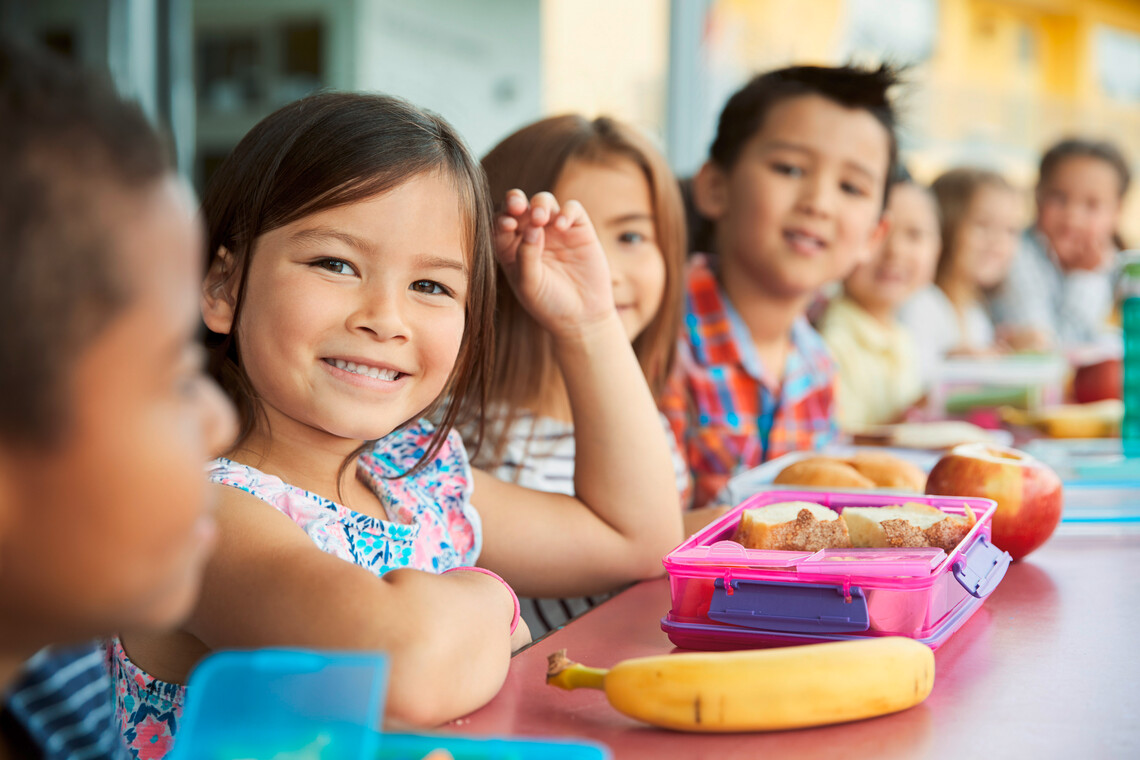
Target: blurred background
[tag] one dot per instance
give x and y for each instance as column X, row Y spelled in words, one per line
column 992, row 83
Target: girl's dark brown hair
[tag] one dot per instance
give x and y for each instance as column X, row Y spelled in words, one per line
column 532, row 159
column 1101, row 150
column 328, row 150
column 955, row 190
column 1078, row 148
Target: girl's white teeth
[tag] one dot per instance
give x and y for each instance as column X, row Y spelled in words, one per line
column 364, row 369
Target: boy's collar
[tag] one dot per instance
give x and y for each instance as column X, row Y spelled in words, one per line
column 718, row 335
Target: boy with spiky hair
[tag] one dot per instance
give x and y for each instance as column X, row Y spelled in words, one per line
column 795, row 189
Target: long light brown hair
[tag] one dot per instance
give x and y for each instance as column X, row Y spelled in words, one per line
column 955, row 191
column 532, row 160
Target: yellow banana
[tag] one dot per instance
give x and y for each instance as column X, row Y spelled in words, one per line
column 761, row 690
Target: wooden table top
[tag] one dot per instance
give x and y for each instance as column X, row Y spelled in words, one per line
column 1048, row 667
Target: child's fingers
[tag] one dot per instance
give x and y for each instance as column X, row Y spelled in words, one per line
column 572, row 213
column 528, row 258
column 543, row 208
column 516, row 203
column 507, row 224
column 506, row 239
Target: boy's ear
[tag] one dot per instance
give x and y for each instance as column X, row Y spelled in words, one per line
column 219, row 294
column 710, row 191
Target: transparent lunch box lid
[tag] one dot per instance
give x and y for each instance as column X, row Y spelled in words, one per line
column 295, row 704
column 709, row 552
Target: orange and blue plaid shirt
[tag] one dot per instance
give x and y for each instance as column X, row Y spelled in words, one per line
column 724, row 412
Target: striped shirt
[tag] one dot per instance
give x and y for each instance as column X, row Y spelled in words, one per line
column 538, row 453
column 1070, row 307
column 726, row 416
column 63, row 702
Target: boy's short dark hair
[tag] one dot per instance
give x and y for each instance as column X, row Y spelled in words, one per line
column 67, row 143
column 1074, row 147
column 849, row 86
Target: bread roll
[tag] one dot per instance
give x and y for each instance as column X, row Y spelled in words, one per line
column 906, row 526
column 823, row 472
column 867, row 470
column 792, row 526
column 889, row 471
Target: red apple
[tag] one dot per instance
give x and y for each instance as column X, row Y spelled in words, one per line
column 1027, row 491
column 1098, row 382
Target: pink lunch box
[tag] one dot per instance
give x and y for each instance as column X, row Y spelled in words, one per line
column 727, row 597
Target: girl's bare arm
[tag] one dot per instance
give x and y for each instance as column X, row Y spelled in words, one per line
column 267, row 584
column 627, row 512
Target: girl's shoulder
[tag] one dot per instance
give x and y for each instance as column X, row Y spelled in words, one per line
column 401, row 450
column 247, row 478
column 928, row 303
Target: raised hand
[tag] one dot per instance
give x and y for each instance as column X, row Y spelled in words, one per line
column 554, row 262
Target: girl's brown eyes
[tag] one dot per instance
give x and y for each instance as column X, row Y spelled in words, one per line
column 430, row 287
column 336, row 266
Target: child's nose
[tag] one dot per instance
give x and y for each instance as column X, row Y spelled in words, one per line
column 817, row 195
column 381, row 315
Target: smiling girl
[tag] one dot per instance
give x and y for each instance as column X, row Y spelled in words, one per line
column 625, row 186
column 349, row 295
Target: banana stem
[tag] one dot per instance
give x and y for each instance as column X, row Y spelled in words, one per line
column 563, row 672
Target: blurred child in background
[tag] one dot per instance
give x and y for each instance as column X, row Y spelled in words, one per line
column 878, row 375
column 349, row 296
column 1059, row 288
column 980, row 222
column 795, row 189
column 630, row 195
column 106, row 414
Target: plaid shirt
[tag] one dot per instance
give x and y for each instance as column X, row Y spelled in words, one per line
column 725, row 414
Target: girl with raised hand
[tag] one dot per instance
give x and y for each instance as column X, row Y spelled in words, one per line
column 536, row 435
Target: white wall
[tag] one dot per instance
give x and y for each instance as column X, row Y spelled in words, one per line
column 477, row 64
column 607, row 58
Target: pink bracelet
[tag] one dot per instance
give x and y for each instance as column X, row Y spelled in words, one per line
column 485, row 571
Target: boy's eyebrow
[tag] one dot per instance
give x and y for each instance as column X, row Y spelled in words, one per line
column 785, row 145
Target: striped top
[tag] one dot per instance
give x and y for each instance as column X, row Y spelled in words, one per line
column 63, row 702
column 727, row 413
column 538, row 453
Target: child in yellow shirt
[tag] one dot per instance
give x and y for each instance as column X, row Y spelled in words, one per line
column 877, row 363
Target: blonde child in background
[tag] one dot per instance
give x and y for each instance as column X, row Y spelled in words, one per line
column 1059, row 288
column 349, row 294
column 878, row 375
column 795, row 189
column 626, row 188
column 106, row 413
column 980, row 222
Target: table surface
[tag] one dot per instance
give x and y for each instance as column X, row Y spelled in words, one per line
column 1047, row 667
